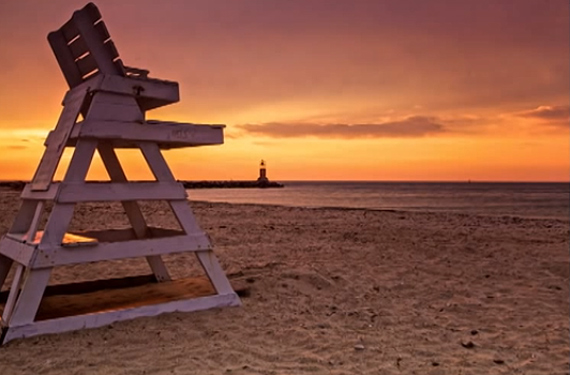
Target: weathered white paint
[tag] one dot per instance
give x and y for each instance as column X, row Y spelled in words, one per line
column 14, row 290
column 25, row 215
column 150, row 93
column 112, row 107
column 101, row 319
column 30, row 296
column 57, row 255
column 46, row 195
column 12, row 246
column 177, row 134
column 58, row 140
column 120, row 191
column 119, row 97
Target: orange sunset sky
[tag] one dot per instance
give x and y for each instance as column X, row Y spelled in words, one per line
column 320, row 89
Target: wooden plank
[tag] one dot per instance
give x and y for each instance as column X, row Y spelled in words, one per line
column 102, row 32
column 64, row 58
column 104, row 60
column 119, row 64
column 115, row 171
column 62, row 213
column 83, row 291
column 214, row 271
column 100, row 301
column 80, row 161
column 91, row 286
column 57, row 141
column 158, row 268
column 91, row 85
column 5, row 265
column 156, row 162
column 30, row 297
column 120, row 191
column 34, row 225
column 128, row 234
column 16, row 250
column 78, row 48
column 56, row 255
column 47, row 195
column 69, row 31
column 181, row 209
column 150, row 93
column 86, row 65
column 149, row 87
column 112, row 107
column 207, row 259
column 185, row 216
column 13, row 294
column 111, row 49
column 92, row 12
column 126, row 144
column 179, row 134
column 25, row 216
column 57, row 224
column 173, row 123
column 98, row 320
column 145, row 87
column 68, row 239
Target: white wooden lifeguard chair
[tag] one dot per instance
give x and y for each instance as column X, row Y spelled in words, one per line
column 112, row 100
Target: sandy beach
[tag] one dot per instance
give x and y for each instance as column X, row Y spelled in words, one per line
column 334, row 291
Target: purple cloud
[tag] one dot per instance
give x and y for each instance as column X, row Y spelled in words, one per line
column 416, row 126
column 549, row 116
column 561, row 112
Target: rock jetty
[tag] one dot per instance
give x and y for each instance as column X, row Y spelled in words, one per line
column 231, row 184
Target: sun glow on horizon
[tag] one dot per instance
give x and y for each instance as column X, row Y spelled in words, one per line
column 359, row 92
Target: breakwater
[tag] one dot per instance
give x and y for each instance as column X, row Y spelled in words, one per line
column 230, row 184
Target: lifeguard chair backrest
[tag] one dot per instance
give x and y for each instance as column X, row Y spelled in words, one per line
column 83, row 47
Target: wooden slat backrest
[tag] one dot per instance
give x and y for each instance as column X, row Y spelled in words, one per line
column 83, row 47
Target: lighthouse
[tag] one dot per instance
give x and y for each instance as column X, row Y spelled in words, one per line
column 262, row 173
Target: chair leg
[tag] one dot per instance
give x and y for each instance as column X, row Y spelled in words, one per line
column 28, row 301
column 214, row 271
column 158, row 268
column 13, row 295
column 5, row 265
column 132, row 209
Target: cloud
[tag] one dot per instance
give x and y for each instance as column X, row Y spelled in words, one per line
column 551, row 116
column 561, row 112
column 16, row 147
column 415, row 126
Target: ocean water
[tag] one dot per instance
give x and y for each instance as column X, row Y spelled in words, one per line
column 540, row 200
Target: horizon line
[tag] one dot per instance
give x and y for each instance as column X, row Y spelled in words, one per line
column 324, row 180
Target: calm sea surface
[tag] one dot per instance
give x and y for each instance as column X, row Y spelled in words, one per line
column 545, row 200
